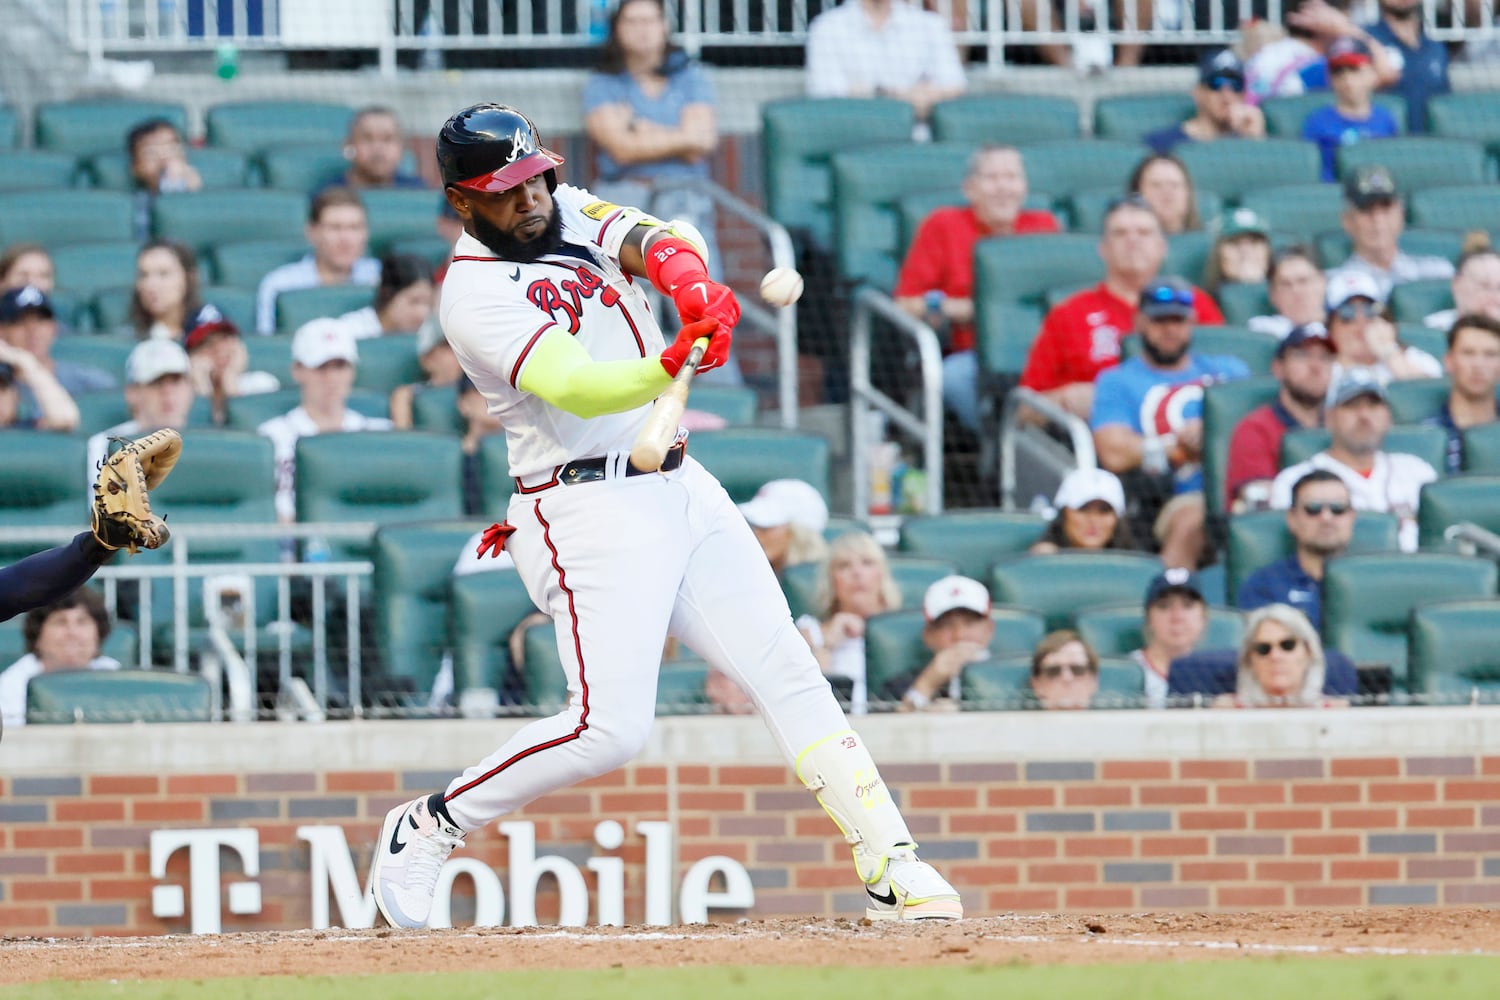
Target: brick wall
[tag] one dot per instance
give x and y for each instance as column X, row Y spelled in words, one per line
column 1125, row 834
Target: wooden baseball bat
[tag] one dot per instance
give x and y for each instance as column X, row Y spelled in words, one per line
column 660, row 430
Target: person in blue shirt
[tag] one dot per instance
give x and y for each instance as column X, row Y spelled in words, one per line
column 1353, row 116
column 1422, row 61
column 1148, row 413
column 1321, row 523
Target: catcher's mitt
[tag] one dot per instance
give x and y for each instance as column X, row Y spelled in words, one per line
column 122, row 517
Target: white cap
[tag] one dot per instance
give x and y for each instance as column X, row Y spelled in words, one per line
column 320, row 341
column 786, row 501
column 1083, row 486
column 1349, row 284
column 952, row 593
column 429, row 334
column 151, row 359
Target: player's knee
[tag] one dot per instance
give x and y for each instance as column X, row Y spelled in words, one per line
column 615, row 744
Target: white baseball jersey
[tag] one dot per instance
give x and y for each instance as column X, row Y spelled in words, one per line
column 494, row 312
column 1394, row 486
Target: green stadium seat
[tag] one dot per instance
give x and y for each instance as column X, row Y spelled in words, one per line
column 680, row 687
column 1187, row 254
column 10, row 127
column 81, row 217
column 436, row 409
column 1257, row 350
column 243, row 263
column 87, row 268
column 894, row 645
column 1086, row 208
column 1482, row 449
column 1022, row 269
column 1452, row 653
column 1475, row 206
column 837, row 526
column 746, row 458
column 1060, row 585
column 1469, row 499
column 1070, row 165
column 1418, row 162
column 1284, row 115
column 270, row 354
column 301, row 305
column 238, row 306
column 36, row 170
column 433, row 249
column 219, row 168
column 487, row 607
column 1003, row 334
column 867, row 185
column 1414, row 400
column 303, row 167
column 542, row 678
column 387, row 361
column 1233, row 167
column 101, row 696
column 204, row 219
column 1116, row 630
column 413, row 570
column 109, row 311
column 973, row 540
column 1261, row 537
column 43, row 485
column 98, row 410
column 1368, row 600
column 1304, row 209
column 495, row 480
column 912, row 574
column 400, row 213
column 96, row 125
column 1011, row 119
column 736, row 404
column 1130, row 117
column 1424, row 338
column 1430, row 444
column 1240, row 302
column 1004, row 683
column 254, row 125
column 246, row 413
column 1472, row 115
column 1225, row 404
column 1333, row 248
column 1414, row 301
column 73, row 310
column 800, row 135
column 104, row 352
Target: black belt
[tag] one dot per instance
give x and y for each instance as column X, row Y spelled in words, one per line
column 591, row 470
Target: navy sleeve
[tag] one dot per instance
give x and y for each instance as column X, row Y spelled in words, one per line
column 41, row 579
column 1340, row 678
column 1255, row 591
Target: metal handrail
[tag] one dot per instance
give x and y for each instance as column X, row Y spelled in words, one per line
column 1010, row 424
column 863, row 396
column 1473, row 539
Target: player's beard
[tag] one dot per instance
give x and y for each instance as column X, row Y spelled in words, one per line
column 507, row 247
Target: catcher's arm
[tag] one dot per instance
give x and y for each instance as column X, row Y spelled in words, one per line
column 121, row 513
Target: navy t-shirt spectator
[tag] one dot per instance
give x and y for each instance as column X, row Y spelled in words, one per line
column 1283, row 582
column 1424, row 69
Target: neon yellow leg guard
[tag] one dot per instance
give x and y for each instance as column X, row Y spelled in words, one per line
column 841, row 773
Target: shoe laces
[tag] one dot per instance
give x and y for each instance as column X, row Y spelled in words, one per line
column 429, row 854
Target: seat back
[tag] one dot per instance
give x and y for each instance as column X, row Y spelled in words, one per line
column 217, row 168
column 388, row 361
column 1225, row 404
column 1418, row 162
column 1005, row 118
column 867, row 186
column 1472, row 499
column 736, row 404
column 1473, row 115
column 1417, row 399
column 36, row 170
column 302, row 305
column 1118, row 630
column 1284, row 115
column 254, row 125
column 1470, row 206
column 413, row 569
column 1130, row 117
column 1003, row 334
column 272, row 355
column 1060, row 585
column 95, row 125
column 400, row 213
column 912, row 575
column 303, row 166
column 1022, row 269
column 487, row 607
column 82, row 217
column 10, row 127
column 1430, row 444
column 1261, row 537
column 1242, row 301
column 1414, row 301
column 894, row 645
column 746, row 458
column 203, row 219
column 243, row 263
column 247, row 413
column 971, row 539
column 1069, row 165
column 435, row 408
column 1233, row 167
column 1004, row 683
column 43, row 484
column 544, row 686
column 88, row 267
column 1482, row 449
column 680, row 687
column 1304, row 209
column 96, row 696
column 494, row 476
column 1452, row 651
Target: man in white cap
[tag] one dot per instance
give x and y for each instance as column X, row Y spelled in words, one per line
column 323, row 360
column 958, row 631
column 788, row 517
column 158, row 393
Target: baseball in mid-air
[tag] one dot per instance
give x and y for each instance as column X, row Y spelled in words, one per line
column 781, row 286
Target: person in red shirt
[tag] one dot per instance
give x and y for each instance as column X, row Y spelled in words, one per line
column 936, row 282
column 1081, row 336
column 1303, row 366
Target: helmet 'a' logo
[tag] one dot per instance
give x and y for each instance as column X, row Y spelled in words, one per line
column 520, row 145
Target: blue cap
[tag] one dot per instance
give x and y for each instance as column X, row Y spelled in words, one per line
column 1175, row 581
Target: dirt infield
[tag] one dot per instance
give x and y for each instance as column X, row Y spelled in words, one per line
column 820, row 942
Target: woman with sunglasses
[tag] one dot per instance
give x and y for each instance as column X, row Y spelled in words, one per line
column 1364, row 338
column 1281, row 663
column 1296, row 287
column 1064, row 672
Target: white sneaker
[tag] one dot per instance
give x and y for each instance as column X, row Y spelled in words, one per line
column 909, row 889
column 404, row 873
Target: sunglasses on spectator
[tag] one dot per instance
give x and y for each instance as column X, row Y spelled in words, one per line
column 1287, row 645
column 1052, row 671
column 1165, row 294
column 1351, row 311
column 1314, row 508
column 1233, row 83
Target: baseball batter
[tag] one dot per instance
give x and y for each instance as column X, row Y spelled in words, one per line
column 544, row 306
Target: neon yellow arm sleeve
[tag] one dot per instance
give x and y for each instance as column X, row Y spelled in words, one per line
column 561, row 372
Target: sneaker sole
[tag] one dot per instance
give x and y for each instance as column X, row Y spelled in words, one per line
column 386, row 830
column 930, row 909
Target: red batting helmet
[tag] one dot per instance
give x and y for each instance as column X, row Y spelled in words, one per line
column 491, row 147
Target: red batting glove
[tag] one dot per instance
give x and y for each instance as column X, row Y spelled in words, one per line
column 676, row 268
column 714, row 355
column 494, row 538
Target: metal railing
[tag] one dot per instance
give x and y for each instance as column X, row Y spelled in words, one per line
column 1016, row 421
column 865, row 399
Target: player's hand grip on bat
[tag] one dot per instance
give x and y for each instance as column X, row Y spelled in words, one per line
column 677, row 269
column 714, row 355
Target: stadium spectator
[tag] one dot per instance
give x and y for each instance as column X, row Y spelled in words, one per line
column 374, row 146
column 1353, row 116
column 323, row 360
column 1148, row 414
column 158, row 393
column 165, row 300
column 936, row 282
column 217, row 363
column 1365, row 338
column 1241, row 253
column 49, row 408
column 479, row 423
column 67, row 634
column 1080, row 337
column 1296, row 287
column 404, row 297
column 788, row 517
column 1321, row 522
column 23, row 264
column 1374, row 217
column 449, row 227
column 1175, row 618
column 856, row 583
column 1090, row 506
column 958, row 631
column 1476, row 284
column 27, row 321
column 438, row 363
column 1304, row 367
column 158, row 165
column 1281, row 663
column 1064, row 672
column 1222, row 111
column 884, row 48
column 1163, row 183
column 339, row 235
column 1358, row 420
column 1420, row 61
column 1473, row 366
column 1295, row 64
